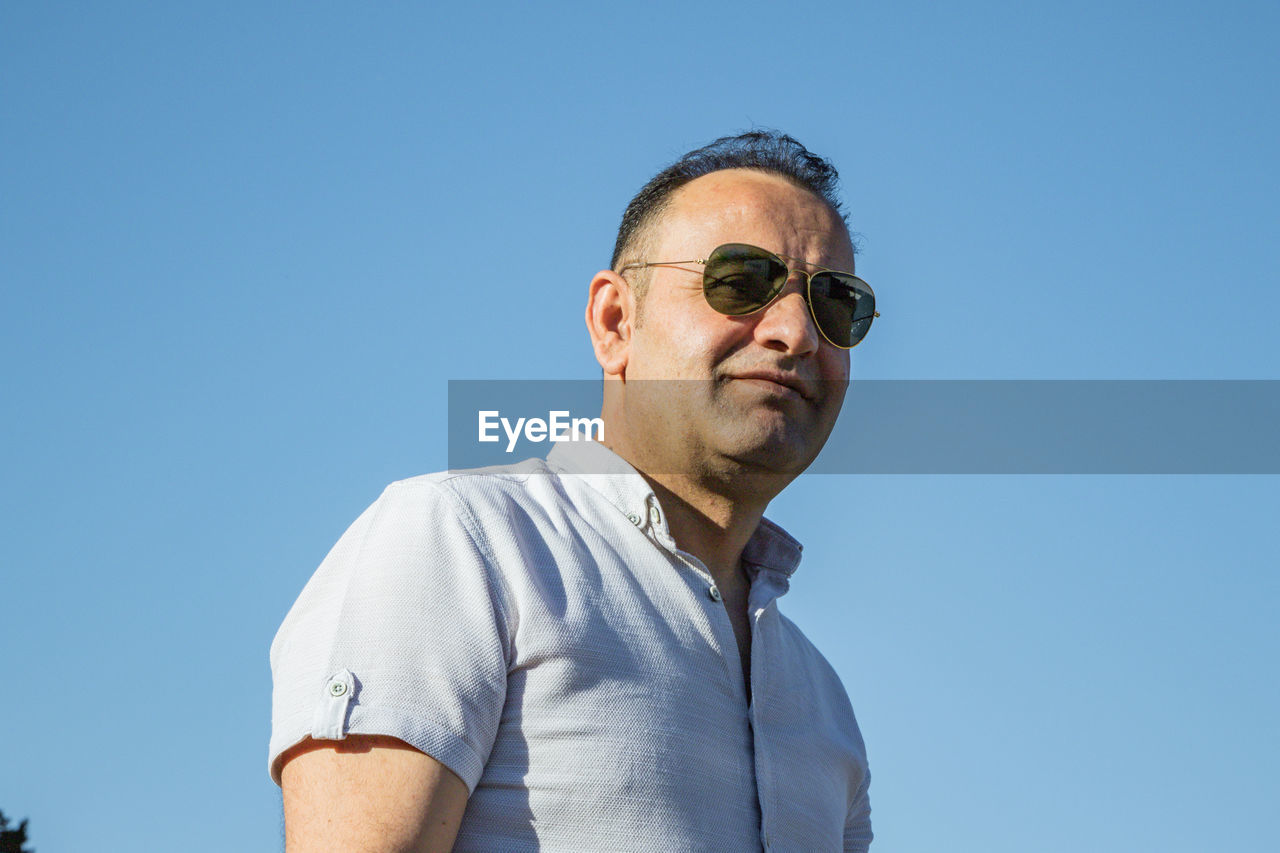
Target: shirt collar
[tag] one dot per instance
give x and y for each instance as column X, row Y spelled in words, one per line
column 770, row 547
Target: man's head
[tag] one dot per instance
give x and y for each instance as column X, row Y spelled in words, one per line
column 763, row 150
column 741, row 398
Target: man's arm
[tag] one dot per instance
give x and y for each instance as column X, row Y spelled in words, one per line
column 389, row 680
column 369, row 793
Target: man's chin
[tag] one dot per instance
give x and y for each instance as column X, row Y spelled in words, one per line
column 770, row 451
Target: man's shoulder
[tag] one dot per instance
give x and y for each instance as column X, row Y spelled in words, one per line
column 472, row 485
column 801, row 643
column 506, row 496
column 819, row 670
column 456, row 479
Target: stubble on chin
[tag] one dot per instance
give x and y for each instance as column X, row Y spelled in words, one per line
column 725, row 430
column 758, row 432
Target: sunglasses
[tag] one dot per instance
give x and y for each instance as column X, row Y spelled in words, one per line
column 739, row 279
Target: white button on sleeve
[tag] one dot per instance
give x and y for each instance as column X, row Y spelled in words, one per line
column 330, row 720
column 401, row 632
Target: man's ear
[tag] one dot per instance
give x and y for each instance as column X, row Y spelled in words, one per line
column 611, row 311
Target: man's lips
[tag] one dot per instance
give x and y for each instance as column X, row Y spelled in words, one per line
column 803, row 387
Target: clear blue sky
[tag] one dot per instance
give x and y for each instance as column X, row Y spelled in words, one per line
column 244, row 246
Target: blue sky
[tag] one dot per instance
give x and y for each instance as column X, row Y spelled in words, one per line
column 243, row 248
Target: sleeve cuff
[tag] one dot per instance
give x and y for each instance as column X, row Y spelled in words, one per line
column 424, row 735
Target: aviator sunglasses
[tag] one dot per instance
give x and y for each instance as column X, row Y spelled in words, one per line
column 739, row 279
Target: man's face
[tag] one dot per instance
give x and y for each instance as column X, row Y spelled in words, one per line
column 766, row 388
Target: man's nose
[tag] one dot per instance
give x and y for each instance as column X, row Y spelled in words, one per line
column 786, row 324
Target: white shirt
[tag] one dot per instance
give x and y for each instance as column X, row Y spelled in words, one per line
column 536, row 629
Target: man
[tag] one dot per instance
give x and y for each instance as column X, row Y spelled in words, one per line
column 585, row 653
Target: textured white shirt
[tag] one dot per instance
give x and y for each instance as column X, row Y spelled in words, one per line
column 536, row 629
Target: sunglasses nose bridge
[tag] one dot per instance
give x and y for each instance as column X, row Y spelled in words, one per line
column 804, row 288
column 792, row 274
column 804, row 308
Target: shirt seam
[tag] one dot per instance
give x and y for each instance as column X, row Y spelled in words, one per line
column 481, row 542
column 332, row 639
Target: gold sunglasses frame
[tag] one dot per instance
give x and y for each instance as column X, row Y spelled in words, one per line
column 791, row 270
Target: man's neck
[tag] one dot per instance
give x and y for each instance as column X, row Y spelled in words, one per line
column 713, row 527
column 712, row 506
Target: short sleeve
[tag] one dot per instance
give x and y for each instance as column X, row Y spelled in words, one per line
column 857, row 828
column 401, row 632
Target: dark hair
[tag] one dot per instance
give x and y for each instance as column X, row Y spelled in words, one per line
column 765, row 150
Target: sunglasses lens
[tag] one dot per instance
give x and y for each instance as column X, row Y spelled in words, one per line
column 740, row 279
column 843, row 306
